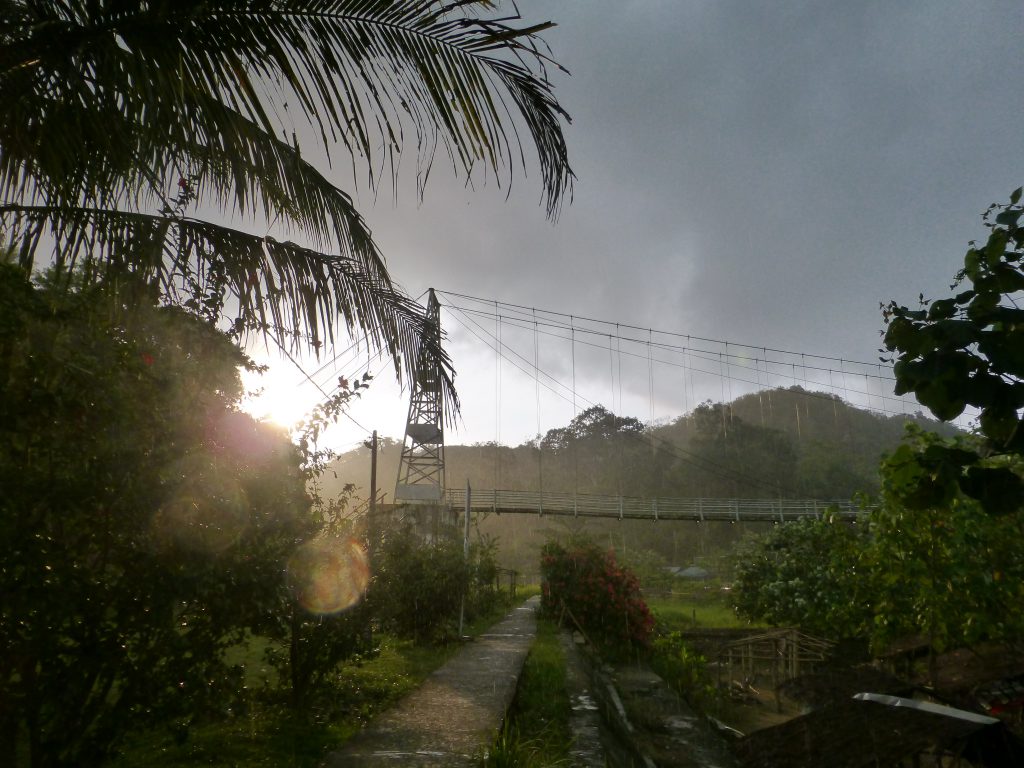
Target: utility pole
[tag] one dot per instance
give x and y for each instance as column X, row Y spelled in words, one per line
column 371, row 524
column 373, row 474
column 465, row 554
column 371, row 510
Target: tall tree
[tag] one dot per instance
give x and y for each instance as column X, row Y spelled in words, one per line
column 600, row 452
column 119, row 115
column 968, row 350
column 144, row 521
column 944, row 569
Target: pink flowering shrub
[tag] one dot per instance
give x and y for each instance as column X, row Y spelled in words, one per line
column 603, row 596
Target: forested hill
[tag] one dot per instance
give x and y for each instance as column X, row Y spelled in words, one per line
column 782, row 442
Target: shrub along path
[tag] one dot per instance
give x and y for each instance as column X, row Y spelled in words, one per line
column 456, row 714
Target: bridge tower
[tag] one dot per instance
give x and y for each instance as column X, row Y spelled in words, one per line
column 421, row 469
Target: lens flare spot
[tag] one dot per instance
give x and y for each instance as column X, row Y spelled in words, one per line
column 329, row 575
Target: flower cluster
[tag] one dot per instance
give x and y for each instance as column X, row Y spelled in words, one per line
column 601, row 595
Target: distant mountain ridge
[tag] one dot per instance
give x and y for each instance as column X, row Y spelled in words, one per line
column 779, row 442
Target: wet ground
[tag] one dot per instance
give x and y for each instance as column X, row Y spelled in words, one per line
column 594, row 745
column 622, row 716
column 456, row 714
column 626, row 716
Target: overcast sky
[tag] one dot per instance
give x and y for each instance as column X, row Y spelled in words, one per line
column 764, row 173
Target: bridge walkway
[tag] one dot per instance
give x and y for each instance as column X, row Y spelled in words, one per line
column 457, row 713
column 635, row 508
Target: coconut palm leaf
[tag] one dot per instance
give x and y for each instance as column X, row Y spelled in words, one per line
column 108, row 103
column 96, row 89
column 280, row 289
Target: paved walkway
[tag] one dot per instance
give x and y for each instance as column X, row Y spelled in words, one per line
column 456, row 714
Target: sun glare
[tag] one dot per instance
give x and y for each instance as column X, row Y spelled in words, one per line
column 277, row 398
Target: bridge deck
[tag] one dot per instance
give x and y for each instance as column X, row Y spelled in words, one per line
column 634, row 508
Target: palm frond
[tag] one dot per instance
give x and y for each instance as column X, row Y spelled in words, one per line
column 105, row 102
column 280, row 289
column 362, row 71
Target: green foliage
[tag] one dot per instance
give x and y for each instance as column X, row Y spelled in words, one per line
column 683, row 668
column 810, row 574
column 600, row 594
column 595, row 423
column 266, row 731
column 144, row 522
column 260, row 736
column 745, row 460
column 650, row 569
column 943, row 569
column 313, row 647
column 420, row 585
column 967, row 350
column 677, row 614
column 320, row 617
column 597, row 452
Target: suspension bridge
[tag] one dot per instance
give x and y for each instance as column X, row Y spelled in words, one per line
column 654, row 509
column 421, row 477
column 559, row 357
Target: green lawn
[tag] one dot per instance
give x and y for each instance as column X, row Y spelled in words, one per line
column 679, row 614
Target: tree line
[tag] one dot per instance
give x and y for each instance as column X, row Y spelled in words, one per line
column 753, row 447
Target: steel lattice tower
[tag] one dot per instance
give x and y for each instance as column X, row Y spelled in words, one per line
column 421, row 470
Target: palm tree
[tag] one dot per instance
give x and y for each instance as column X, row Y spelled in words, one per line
column 121, row 116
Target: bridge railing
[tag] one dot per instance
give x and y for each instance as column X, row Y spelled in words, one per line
column 635, row 508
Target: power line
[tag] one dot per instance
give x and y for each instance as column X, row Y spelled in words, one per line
column 327, row 397
column 676, row 334
column 738, row 361
column 678, row 452
column 354, row 346
column 523, row 323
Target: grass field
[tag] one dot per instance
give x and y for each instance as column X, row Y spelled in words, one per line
column 682, row 613
column 536, row 732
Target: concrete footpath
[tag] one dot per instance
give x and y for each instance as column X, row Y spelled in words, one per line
column 458, row 711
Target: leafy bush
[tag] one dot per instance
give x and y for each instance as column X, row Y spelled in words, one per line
column 683, row 668
column 144, row 521
column 484, row 596
column 601, row 595
column 419, row 585
column 811, row 574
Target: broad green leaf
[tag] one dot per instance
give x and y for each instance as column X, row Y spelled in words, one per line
column 943, row 309
column 996, row 246
column 999, row 423
column 1009, row 217
column 937, row 396
column 999, row 489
